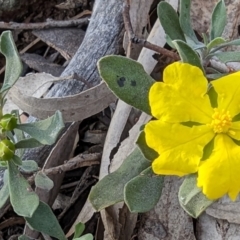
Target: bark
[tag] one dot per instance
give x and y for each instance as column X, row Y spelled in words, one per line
column 103, row 37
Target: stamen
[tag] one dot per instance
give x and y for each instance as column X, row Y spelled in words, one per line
column 221, row 121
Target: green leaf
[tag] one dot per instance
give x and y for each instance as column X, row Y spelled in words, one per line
column 23, row 199
column 109, row 190
column 191, row 198
column 215, row 42
column 29, row 166
column 85, row 237
column 17, row 160
column 185, row 19
column 43, row 220
column 13, row 61
column 187, row 54
column 43, row 181
column 79, row 228
column 4, row 191
column 227, row 56
column 28, row 143
column 24, row 237
column 226, row 44
column 170, row 22
column 127, row 79
column 147, row 152
column 142, row 193
column 218, row 20
column 45, row 131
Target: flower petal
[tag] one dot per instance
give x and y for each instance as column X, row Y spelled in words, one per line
column 228, row 90
column 182, row 97
column 220, row 173
column 180, row 147
column 234, row 131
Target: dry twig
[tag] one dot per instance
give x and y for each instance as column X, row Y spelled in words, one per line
column 44, row 25
column 81, row 160
column 143, row 42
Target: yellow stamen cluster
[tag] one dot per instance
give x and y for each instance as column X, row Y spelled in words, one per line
column 221, row 121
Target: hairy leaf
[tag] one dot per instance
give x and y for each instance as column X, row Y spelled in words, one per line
column 43, row 220
column 127, row 79
column 13, row 61
column 109, row 190
column 23, row 199
column 191, row 198
column 142, row 193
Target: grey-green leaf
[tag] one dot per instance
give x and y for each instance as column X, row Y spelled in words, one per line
column 24, row 237
column 13, row 61
column 29, row 166
column 23, row 199
column 44, row 131
column 147, row 152
column 191, row 198
column 142, row 193
column 215, row 42
column 226, row 44
column 169, row 21
column 87, row 236
column 4, row 192
column 127, row 79
column 109, row 190
column 28, row 143
column 187, row 54
column 185, row 20
column 218, row 20
column 43, row 181
column 227, row 56
column 43, row 220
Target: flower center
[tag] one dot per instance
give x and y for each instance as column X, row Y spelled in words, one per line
column 221, row 121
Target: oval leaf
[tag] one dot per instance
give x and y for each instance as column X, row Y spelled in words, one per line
column 29, row 166
column 170, row 22
column 28, row 143
column 127, row 79
column 142, row 193
column 43, row 181
column 79, row 228
column 43, row 220
column 185, row 20
column 13, row 61
column 147, row 152
column 44, row 131
column 191, row 198
column 109, row 190
column 23, row 199
column 187, row 54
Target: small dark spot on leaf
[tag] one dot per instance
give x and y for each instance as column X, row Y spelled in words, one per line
column 121, row 81
column 133, row 83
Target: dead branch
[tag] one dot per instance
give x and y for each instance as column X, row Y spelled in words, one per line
column 134, row 39
column 81, row 160
column 44, row 25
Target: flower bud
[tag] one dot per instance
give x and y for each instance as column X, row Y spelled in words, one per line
column 8, row 122
column 7, row 149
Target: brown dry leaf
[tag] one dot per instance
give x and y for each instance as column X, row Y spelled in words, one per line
column 74, row 108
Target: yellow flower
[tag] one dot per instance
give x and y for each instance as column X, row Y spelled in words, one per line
column 197, row 130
